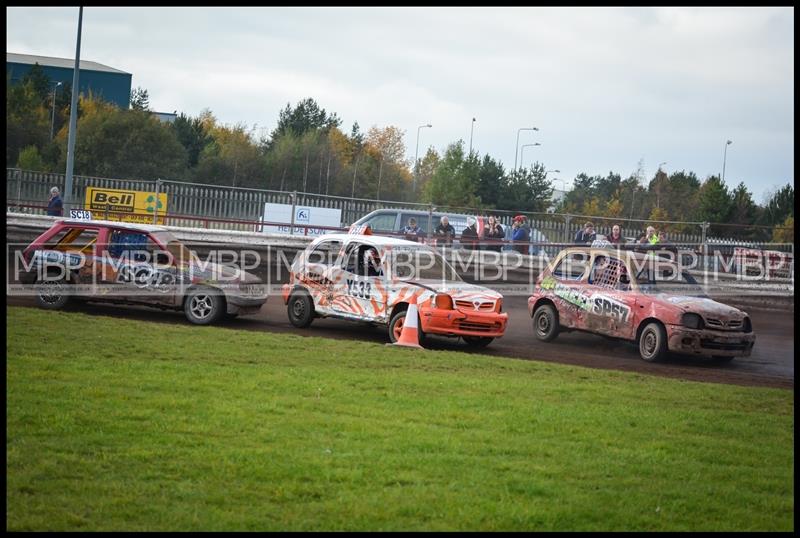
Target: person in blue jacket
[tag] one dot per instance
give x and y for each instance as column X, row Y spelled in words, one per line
column 520, row 234
column 55, row 207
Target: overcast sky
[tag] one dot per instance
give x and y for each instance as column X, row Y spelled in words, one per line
column 607, row 87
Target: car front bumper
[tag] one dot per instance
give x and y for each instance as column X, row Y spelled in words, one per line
column 460, row 323
column 709, row 342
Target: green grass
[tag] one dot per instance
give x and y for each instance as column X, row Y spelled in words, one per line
column 124, row 425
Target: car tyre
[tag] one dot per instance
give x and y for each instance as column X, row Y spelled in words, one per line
column 478, row 341
column 300, row 308
column 653, row 342
column 204, row 306
column 396, row 327
column 545, row 323
column 54, row 296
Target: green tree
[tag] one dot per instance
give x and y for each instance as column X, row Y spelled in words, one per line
column 779, row 206
column 192, row 134
column 491, row 182
column 455, row 180
column 306, row 116
column 29, row 159
column 527, row 189
column 27, row 119
column 785, row 232
column 743, row 212
column 124, row 144
column 140, row 99
column 714, row 203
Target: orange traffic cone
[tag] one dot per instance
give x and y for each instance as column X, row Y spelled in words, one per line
column 409, row 335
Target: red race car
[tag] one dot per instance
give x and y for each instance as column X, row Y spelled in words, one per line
column 638, row 297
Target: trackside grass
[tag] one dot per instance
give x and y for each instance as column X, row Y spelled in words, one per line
column 115, row 424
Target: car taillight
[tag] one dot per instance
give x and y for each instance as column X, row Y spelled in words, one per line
column 443, row 301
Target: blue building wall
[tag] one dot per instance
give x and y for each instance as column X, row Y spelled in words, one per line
column 112, row 87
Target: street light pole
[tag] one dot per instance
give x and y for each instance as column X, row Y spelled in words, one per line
column 416, row 156
column 73, row 119
column 522, row 153
column 516, row 148
column 470, row 135
column 53, row 115
column 724, row 158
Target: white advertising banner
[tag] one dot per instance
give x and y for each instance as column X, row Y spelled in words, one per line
column 305, row 218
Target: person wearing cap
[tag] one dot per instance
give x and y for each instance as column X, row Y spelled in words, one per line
column 55, row 206
column 469, row 237
column 520, row 234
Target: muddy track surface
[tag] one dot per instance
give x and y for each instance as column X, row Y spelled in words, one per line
column 771, row 363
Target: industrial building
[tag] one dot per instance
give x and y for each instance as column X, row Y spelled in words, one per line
column 112, row 85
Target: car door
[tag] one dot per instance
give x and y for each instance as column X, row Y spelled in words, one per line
column 611, row 303
column 566, row 288
column 316, row 273
column 138, row 269
column 358, row 289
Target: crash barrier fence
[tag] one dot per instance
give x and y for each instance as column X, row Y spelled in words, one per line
column 220, row 207
column 769, row 260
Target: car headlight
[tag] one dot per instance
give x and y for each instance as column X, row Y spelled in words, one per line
column 747, row 326
column 443, row 301
column 498, row 305
column 693, row 321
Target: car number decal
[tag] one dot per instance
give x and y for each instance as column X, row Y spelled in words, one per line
column 359, row 288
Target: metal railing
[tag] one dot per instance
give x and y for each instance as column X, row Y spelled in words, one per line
column 236, row 208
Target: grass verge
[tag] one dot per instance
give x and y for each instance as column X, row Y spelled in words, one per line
column 124, row 425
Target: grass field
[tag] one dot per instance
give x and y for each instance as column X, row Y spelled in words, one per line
column 124, row 425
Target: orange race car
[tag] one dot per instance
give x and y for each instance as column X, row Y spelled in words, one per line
column 363, row 277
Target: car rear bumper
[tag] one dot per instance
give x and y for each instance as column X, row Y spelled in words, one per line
column 459, row 323
column 709, row 342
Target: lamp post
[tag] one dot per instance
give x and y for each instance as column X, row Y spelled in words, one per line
column 724, row 158
column 470, row 135
column 522, row 153
column 516, row 148
column 416, row 156
column 73, row 119
column 53, row 116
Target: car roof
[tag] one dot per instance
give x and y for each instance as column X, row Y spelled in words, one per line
column 115, row 224
column 375, row 240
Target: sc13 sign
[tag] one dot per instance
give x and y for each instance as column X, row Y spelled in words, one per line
column 80, row 214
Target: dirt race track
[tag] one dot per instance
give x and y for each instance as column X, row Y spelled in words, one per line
column 771, row 363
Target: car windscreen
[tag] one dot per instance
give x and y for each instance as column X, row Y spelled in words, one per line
column 667, row 278
column 421, row 263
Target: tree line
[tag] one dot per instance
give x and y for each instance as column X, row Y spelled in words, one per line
column 309, row 151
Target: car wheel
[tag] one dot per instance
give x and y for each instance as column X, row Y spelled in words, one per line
column 653, row 342
column 396, row 327
column 545, row 323
column 300, row 309
column 53, row 294
column 204, row 306
column 478, row 341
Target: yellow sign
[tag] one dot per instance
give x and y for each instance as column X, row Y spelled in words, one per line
column 128, row 206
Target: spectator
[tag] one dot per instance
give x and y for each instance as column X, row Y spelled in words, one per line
column 494, row 234
column 648, row 237
column 469, row 237
column 55, row 206
column 444, row 233
column 662, row 237
column 520, row 233
column 616, row 236
column 412, row 232
column 587, row 235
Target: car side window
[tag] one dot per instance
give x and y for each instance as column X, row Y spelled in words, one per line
column 571, row 267
column 325, row 253
column 606, row 272
column 136, row 246
column 383, row 222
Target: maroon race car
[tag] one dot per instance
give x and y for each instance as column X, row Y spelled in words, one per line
column 638, row 297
